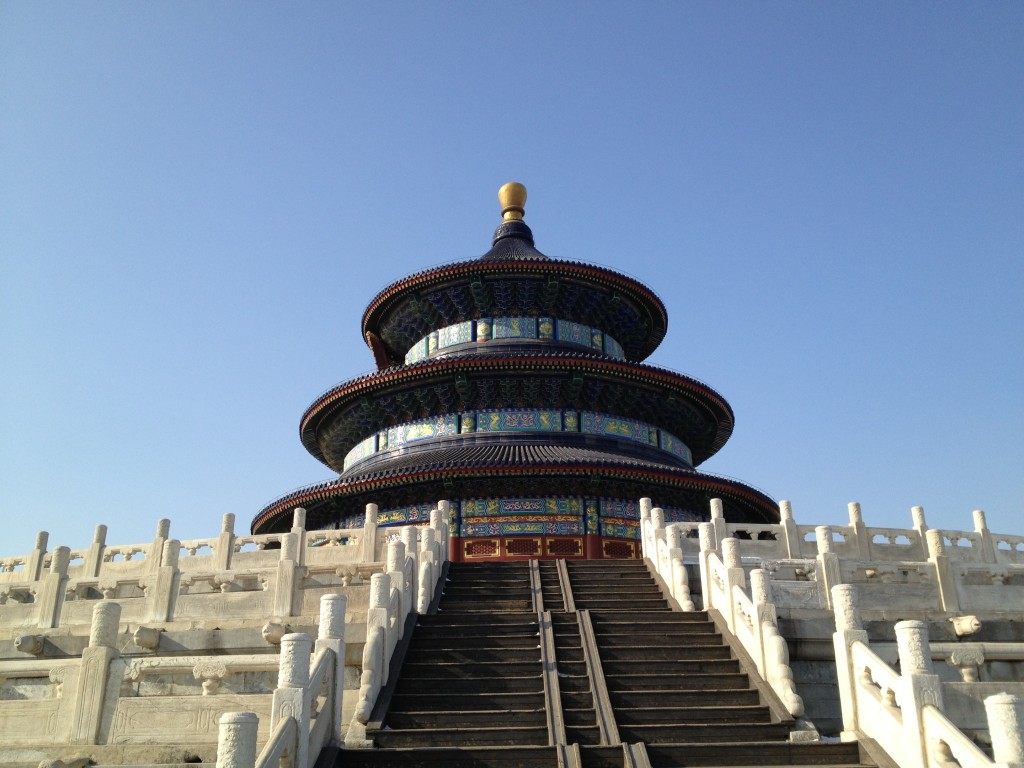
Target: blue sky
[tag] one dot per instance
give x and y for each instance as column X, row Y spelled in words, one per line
column 198, row 200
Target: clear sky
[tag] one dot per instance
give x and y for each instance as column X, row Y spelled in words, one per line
column 198, row 200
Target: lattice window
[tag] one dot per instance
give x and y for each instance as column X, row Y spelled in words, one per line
column 565, row 547
column 620, row 550
column 528, row 547
column 482, row 548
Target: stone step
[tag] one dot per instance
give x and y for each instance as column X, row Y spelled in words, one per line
column 669, row 667
column 450, row 757
column 680, row 644
column 721, row 697
column 642, row 653
column 471, row 655
column 455, row 671
column 463, row 625
column 451, row 737
column 589, row 734
column 492, row 685
column 475, row 642
column 631, row 616
column 470, row 606
column 754, row 753
column 507, row 617
column 704, row 733
column 655, row 604
column 699, row 682
column 699, row 714
column 466, row 702
column 474, row 718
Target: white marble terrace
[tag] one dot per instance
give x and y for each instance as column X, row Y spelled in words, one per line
column 259, row 650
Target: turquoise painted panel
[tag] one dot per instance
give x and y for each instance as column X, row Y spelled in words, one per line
column 515, row 328
column 484, row 327
column 675, row 446
column 596, row 339
column 545, row 328
column 460, row 333
column 612, row 348
column 362, row 450
column 423, row 430
column 600, row 424
column 417, row 352
column 573, row 332
column 519, row 421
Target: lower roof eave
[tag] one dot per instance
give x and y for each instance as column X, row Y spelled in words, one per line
column 757, row 506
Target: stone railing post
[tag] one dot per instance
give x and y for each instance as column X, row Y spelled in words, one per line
column 34, row 571
column 944, row 575
column 396, row 569
column 299, row 529
column 828, row 565
column 290, row 695
column 988, row 547
column 51, row 591
column 287, row 576
column 645, row 527
column 439, row 522
column 161, row 593
column 677, row 578
column 1005, row 714
column 790, row 530
column 94, row 671
column 774, row 661
column 706, row 534
column 718, row 520
column 918, row 686
column 920, row 525
column 225, row 543
column 860, row 531
column 377, row 616
column 156, row 550
column 429, row 557
column 369, row 554
column 94, row 557
column 849, row 631
column 410, row 537
column 734, row 577
column 331, row 635
column 657, row 552
column 236, row 740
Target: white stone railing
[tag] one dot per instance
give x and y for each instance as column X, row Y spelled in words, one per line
column 413, row 568
column 913, row 570
column 855, row 541
column 902, row 711
column 301, row 722
column 279, row 574
column 752, row 621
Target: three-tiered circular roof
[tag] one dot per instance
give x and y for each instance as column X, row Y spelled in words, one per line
column 515, row 374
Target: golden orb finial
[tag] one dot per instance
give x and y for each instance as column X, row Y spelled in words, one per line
column 512, row 197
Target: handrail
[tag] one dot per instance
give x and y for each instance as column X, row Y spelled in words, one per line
column 282, row 737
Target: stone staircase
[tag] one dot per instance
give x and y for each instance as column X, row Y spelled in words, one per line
column 563, row 663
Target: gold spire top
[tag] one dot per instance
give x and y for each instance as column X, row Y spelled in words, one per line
column 512, row 197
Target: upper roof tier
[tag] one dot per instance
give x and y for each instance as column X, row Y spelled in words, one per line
column 513, row 279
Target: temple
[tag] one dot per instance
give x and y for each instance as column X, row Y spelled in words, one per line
column 514, row 386
column 518, row 565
